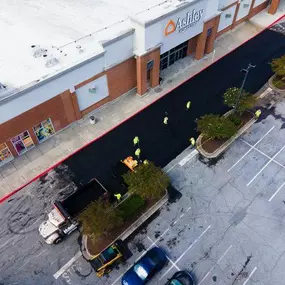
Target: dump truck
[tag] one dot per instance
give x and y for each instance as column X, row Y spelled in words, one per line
column 62, row 220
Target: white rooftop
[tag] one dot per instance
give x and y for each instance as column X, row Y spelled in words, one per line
column 51, row 24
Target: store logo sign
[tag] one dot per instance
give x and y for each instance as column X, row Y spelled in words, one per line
column 184, row 23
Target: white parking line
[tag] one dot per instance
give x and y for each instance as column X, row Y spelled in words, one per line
column 67, row 265
column 189, row 247
column 258, row 150
column 250, row 149
column 276, row 192
column 252, row 272
column 264, row 166
column 188, row 157
column 171, row 261
column 220, row 259
column 142, row 255
column 182, row 215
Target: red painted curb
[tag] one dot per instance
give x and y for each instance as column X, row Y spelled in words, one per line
column 56, row 164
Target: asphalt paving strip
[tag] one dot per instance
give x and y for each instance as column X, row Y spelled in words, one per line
column 160, row 143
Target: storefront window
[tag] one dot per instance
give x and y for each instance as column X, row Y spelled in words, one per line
column 5, row 154
column 44, row 130
column 22, row 142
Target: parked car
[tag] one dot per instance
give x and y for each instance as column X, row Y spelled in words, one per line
column 145, row 268
column 181, row 278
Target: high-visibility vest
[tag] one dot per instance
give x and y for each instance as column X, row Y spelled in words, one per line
column 165, row 120
column 192, row 141
column 138, row 152
column 188, row 105
column 118, row 196
column 257, row 113
column 136, row 140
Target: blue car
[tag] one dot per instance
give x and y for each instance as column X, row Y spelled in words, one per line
column 145, row 268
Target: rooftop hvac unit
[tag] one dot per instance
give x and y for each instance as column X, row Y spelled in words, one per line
column 39, row 52
column 52, row 62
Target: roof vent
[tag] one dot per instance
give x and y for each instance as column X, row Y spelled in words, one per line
column 39, row 52
column 2, row 87
column 52, row 62
column 79, row 48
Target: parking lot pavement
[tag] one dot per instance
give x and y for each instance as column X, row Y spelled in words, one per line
column 228, row 226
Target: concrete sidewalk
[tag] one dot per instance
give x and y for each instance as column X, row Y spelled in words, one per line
column 26, row 167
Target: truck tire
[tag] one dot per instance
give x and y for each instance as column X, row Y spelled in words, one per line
column 58, row 240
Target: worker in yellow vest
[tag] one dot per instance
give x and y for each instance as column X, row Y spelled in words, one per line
column 138, row 153
column 188, row 105
column 257, row 113
column 192, row 141
column 136, row 141
column 118, row 196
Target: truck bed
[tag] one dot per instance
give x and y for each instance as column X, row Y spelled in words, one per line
column 79, row 200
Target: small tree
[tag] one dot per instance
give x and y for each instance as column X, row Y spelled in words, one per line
column 216, row 127
column 100, row 218
column 246, row 100
column 278, row 67
column 147, row 180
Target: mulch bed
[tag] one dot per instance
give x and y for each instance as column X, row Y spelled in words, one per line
column 280, row 84
column 211, row 145
column 96, row 246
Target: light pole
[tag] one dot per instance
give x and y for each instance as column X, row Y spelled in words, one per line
column 246, row 71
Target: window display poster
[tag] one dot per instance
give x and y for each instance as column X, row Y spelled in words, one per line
column 44, row 130
column 5, row 154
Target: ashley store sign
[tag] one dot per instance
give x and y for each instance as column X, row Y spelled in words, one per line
column 184, row 23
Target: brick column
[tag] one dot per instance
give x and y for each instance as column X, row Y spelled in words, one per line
column 192, row 43
column 142, row 71
column 273, row 7
column 76, row 109
column 211, row 39
column 201, row 43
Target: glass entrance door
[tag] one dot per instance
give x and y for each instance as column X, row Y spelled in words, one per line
column 171, row 56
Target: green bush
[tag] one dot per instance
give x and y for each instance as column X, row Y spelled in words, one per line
column 278, row 66
column 99, row 218
column 216, row 127
column 131, row 206
column 235, row 119
column 246, row 100
column 148, row 181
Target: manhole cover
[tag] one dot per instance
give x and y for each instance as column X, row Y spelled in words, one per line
column 157, row 90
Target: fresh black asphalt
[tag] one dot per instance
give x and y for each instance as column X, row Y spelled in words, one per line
column 160, row 143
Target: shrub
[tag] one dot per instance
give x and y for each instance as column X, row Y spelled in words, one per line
column 278, row 66
column 148, row 181
column 216, row 127
column 99, row 219
column 131, row 206
column 246, row 100
column 235, row 119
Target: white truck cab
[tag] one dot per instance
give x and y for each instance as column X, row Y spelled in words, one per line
column 56, row 227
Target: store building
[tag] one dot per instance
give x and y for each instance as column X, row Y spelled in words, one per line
column 57, row 80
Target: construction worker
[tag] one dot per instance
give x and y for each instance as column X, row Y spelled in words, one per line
column 257, row 113
column 118, row 196
column 192, row 141
column 136, row 141
column 138, row 153
column 165, row 120
column 188, row 105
